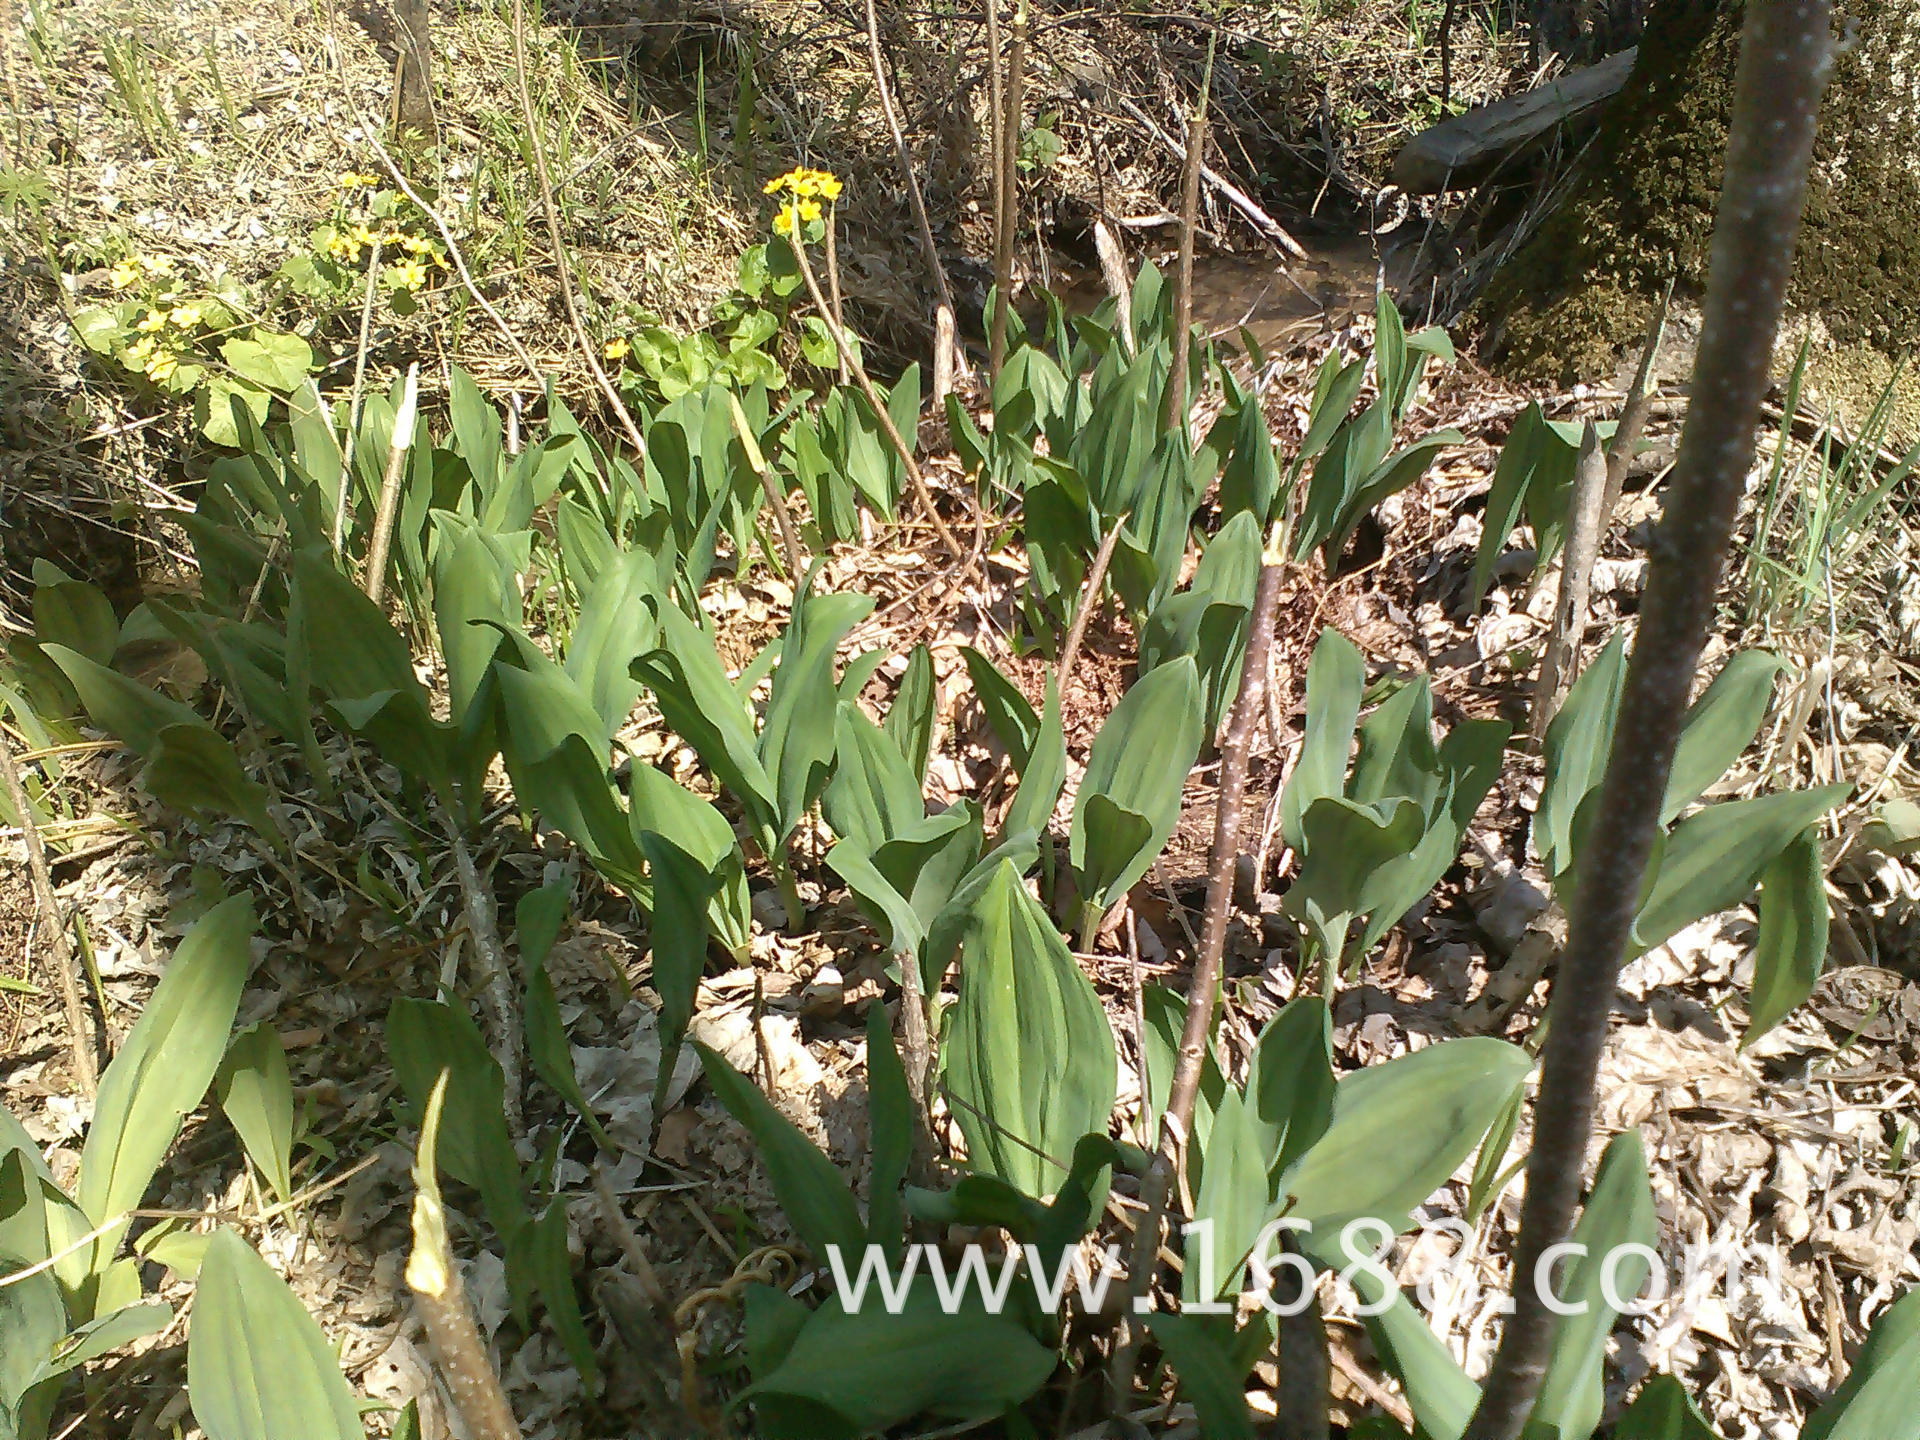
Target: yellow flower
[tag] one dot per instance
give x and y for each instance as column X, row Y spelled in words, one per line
column 411, row 274
column 354, row 180
column 829, row 185
column 414, row 244
column 151, row 321
column 125, row 275
column 783, row 222
column 789, row 181
column 809, row 210
column 185, row 316
column 616, row 348
column 361, row 235
column 140, row 350
column 163, row 364
column 156, row 264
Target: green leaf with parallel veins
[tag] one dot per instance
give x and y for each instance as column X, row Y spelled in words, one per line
column 682, row 888
column 122, row 707
column 890, row 1126
column 1336, row 679
column 1875, row 1401
column 1438, row 1391
column 33, row 1323
column 73, row 613
column 1720, row 724
column 911, row 716
column 1290, row 1084
column 1138, row 766
column 193, row 767
column 1206, row 1373
column 1791, row 950
column 256, row 1092
column 1579, row 739
column 1663, row 1411
column 1029, row 1053
column 258, row 1367
column 873, row 795
column 810, row 1188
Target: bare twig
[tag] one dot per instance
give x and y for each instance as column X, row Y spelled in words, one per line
column 1231, row 193
column 496, row 982
column 1633, row 415
column 946, row 350
column 1783, row 65
column 1089, row 602
column 1002, row 186
column 900, row 447
column 561, row 269
column 833, row 279
column 1584, row 519
column 1177, row 1119
column 383, row 519
column 743, row 432
column 1183, row 280
column 66, row 976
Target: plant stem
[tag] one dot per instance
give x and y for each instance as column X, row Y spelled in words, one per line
column 384, row 516
column 496, row 983
column 1090, row 600
column 1002, row 262
column 343, row 513
column 1585, row 520
column 945, row 350
column 743, row 432
column 1177, row 1119
column 1782, row 71
column 880, row 411
column 1633, row 415
column 52, row 925
column 1183, row 279
column 789, row 886
column 833, row 279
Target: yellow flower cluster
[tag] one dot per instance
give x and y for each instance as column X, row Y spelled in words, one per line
column 617, row 348
column 164, row 330
column 355, row 180
column 135, row 268
column 805, row 183
column 808, row 188
column 152, row 358
column 346, row 245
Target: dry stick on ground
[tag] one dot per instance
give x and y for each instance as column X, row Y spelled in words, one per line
column 1231, row 193
column 945, row 333
column 900, row 446
column 1633, row 415
column 561, row 269
column 1113, row 269
column 441, row 1299
column 1183, row 277
column 1782, row 70
column 52, row 924
column 996, row 117
column 1585, row 523
column 382, row 541
column 1177, row 1119
column 496, row 980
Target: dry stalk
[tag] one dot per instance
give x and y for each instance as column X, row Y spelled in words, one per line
column 1089, row 602
column 743, row 432
column 1183, row 279
column 496, row 983
column 852, row 361
column 1002, row 256
column 383, row 519
column 343, row 512
column 434, row 1278
column 1633, row 415
column 552, row 211
column 1113, row 270
column 52, row 924
column 1784, row 54
column 945, row 347
column 1177, row 1119
column 1585, row 522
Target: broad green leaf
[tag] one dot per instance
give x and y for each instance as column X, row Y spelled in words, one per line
column 73, row 613
column 1250, row 482
column 1336, row 387
column 1791, row 950
column 873, row 795
column 256, row 1093
column 699, row 702
column 910, row 718
column 682, row 888
column 270, row 360
column 124, row 708
column 1390, row 478
column 1875, row 1401
column 1619, row 1212
column 1166, row 1018
column 538, row 918
column 664, row 807
column 1512, row 475
column 1346, row 867
column 33, row 1323
column 890, row 1129
column 1043, row 772
column 258, row 1367
column 1720, row 724
column 1427, row 1110
column 1713, row 859
column 1336, row 678
column 1579, row 739
column 1290, row 1083
column 1029, row 1054
column 549, row 1265
column 874, row 1370
column 1397, row 755
column 892, row 914
column 1206, row 1374
column 797, row 735
column 194, row 768
column 102, row 1337
column 1438, row 1391
column 1663, row 1411
column 1233, row 1197
column 166, row 1064
column 614, row 628
column 810, row 1188
column 469, row 587
column 225, row 407
column 1138, row 765
column 550, row 1052
column 427, row 1038
column 571, row 790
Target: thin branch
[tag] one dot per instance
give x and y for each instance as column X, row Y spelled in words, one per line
column 1585, row 520
column 1231, row 193
column 343, row 512
column 757, row 462
column 996, row 115
column 1183, row 280
column 880, row 412
column 945, row 350
column 1090, row 601
column 1783, row 66
column 496, row 980
column 1633, row 415
column 53, row 925
column 1177, row 1119
column 580, row 336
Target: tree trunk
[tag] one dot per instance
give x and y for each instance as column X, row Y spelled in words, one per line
column 1579, row 292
